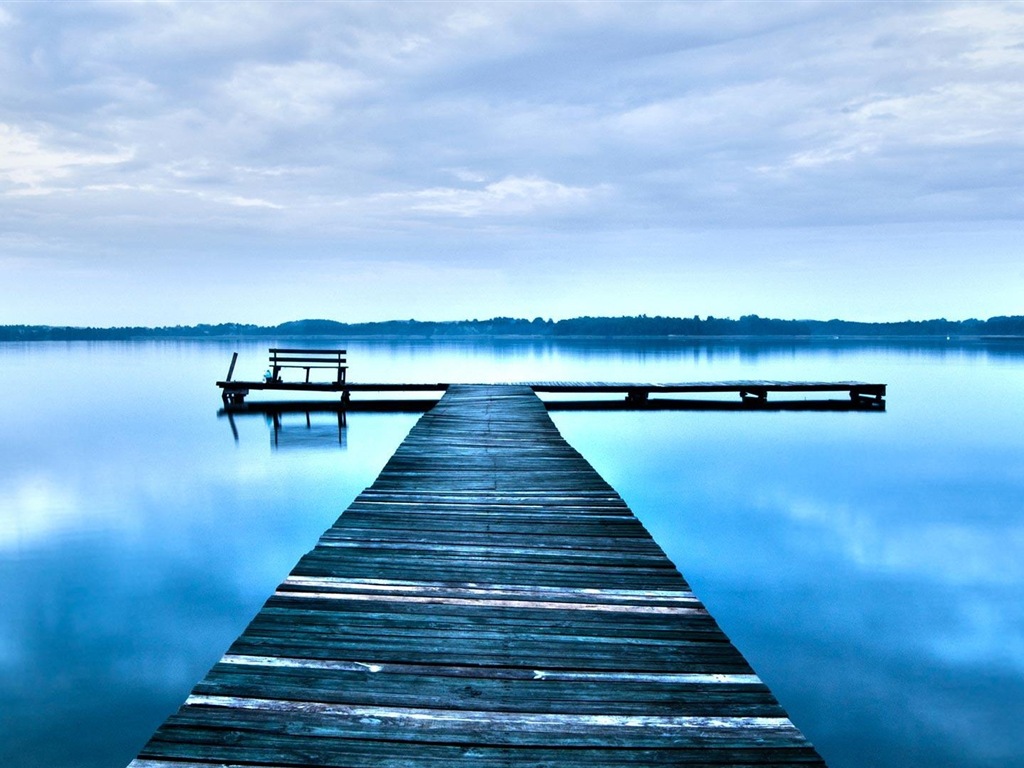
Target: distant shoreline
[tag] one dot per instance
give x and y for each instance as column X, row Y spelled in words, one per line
column 484, row 338
column 748, row 327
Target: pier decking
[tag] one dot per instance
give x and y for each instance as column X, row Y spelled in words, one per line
column 859, row 395
column 489, row 599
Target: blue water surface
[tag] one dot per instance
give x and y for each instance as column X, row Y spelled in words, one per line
column 869, row 565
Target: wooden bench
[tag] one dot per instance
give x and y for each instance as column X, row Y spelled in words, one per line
column 308, row 359
column 235, row 392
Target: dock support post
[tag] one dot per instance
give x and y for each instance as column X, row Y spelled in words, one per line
column 231, row 368
column 637, row 396
column 233, row 396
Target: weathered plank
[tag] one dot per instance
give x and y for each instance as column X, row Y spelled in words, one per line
column 489, row 599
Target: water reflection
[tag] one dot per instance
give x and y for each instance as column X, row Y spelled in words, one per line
column 308, row 433
column 137, row 538
column 868, row 565
column 871, row 574
column 291, row 427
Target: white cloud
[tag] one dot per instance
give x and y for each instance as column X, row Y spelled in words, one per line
column 912, row 90
column 957, row 114
column 277, row 171
column 713, row 116
column 178, row 29
column 467, row 175
column 991, row 34
column 244, row 202
column 361, row 120
column 238, row 201
column 949, row 118
column 304, row 91
column 512, row 196
column 26, row 161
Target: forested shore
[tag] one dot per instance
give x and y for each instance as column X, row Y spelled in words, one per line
column 638, row 326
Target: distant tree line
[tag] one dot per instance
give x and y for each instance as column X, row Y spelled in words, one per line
column 641, row 325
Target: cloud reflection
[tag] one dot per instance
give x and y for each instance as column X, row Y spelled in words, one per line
column 35, row 506
column 912, row 546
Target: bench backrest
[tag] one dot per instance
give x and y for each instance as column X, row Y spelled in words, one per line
column 308, row 358
column 315, row 358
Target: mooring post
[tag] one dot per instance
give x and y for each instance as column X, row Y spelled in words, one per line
column 636, row 395
column 231, row 368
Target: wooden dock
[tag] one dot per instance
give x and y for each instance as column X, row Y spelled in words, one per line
column 490, row 600
column 856, row 395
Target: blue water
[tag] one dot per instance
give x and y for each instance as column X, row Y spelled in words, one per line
column 869, row 565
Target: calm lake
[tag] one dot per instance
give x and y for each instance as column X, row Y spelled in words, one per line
column 870, row 566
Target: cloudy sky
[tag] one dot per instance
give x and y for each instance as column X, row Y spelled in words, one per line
column 165, row 163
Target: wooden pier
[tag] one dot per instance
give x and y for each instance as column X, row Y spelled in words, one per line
column 490, row 600
column 856, row 395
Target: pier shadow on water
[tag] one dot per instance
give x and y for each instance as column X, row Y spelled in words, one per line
column 322, row 424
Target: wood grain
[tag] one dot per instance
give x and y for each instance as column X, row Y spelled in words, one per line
column 490, row 599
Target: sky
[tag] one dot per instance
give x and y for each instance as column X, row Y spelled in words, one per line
column 167, row 163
